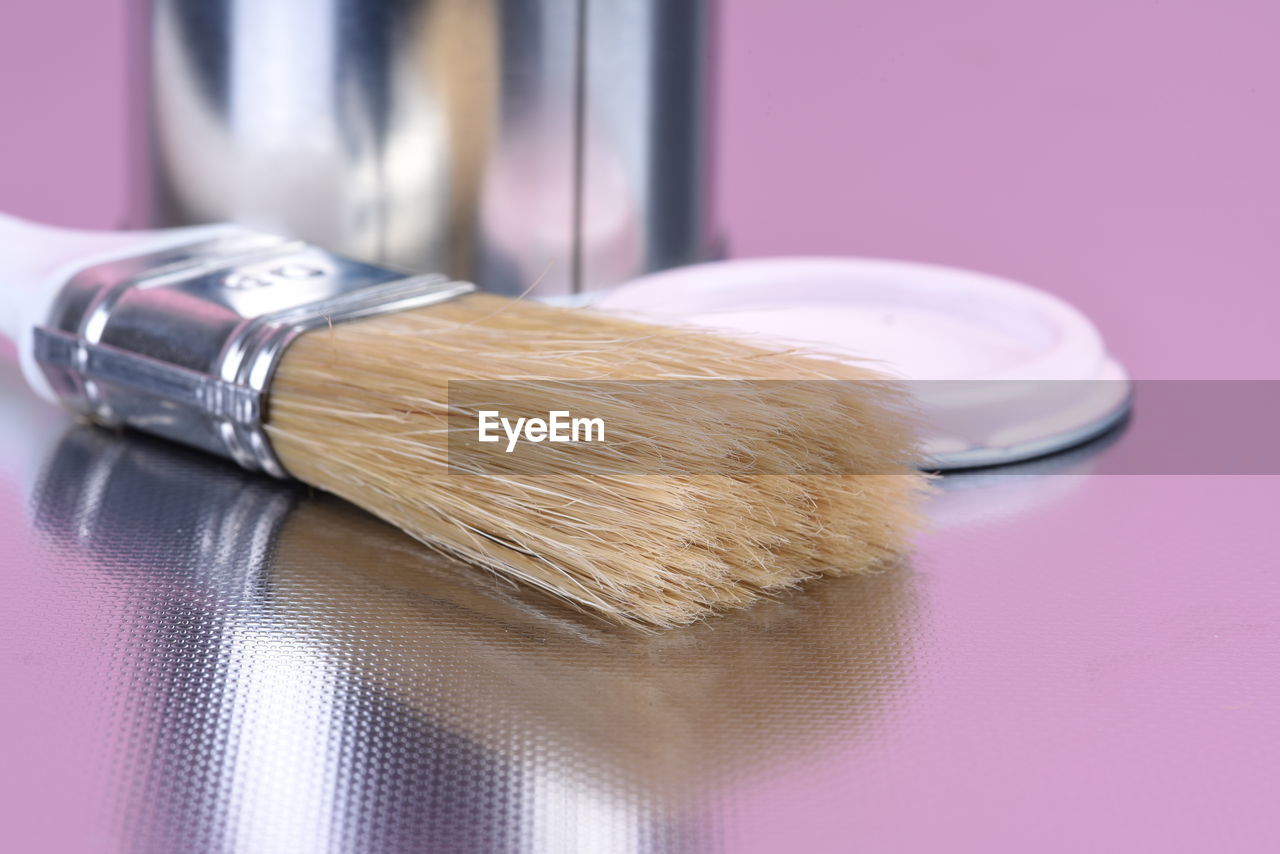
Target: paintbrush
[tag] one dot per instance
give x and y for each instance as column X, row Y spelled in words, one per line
column 302, row 363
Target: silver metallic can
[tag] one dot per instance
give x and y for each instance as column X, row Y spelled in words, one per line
column 506, row 141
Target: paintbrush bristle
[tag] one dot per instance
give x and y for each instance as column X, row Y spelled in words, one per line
column 362, row 410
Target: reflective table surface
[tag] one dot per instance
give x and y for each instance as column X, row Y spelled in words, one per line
column 196, row 659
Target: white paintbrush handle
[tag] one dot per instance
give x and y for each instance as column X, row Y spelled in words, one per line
column 37, row 260
column 182, row 339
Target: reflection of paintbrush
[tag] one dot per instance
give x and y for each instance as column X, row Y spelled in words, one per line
column 673, row 711
column 291, row 359
column 491, row 661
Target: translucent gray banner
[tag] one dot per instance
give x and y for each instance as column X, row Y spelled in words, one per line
column 777, row 427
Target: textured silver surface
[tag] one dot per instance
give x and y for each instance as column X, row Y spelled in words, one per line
column 197, row 659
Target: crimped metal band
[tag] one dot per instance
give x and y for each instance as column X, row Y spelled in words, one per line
column 183, row 343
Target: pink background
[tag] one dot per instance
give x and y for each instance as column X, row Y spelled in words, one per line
column 1096, row 149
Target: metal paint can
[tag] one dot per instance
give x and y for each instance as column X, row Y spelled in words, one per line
column 562, row 142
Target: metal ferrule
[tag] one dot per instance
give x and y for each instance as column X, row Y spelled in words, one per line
column 183, row 343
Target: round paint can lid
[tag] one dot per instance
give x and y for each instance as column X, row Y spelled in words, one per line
column 1002, row 372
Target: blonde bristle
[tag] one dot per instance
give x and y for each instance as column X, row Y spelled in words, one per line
column 361, row 410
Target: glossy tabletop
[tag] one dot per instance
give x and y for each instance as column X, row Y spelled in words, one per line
column 196, row 659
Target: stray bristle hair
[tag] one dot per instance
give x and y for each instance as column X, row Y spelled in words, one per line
column 361, row 410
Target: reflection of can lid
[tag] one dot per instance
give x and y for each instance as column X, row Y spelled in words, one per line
column 1003, row 372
